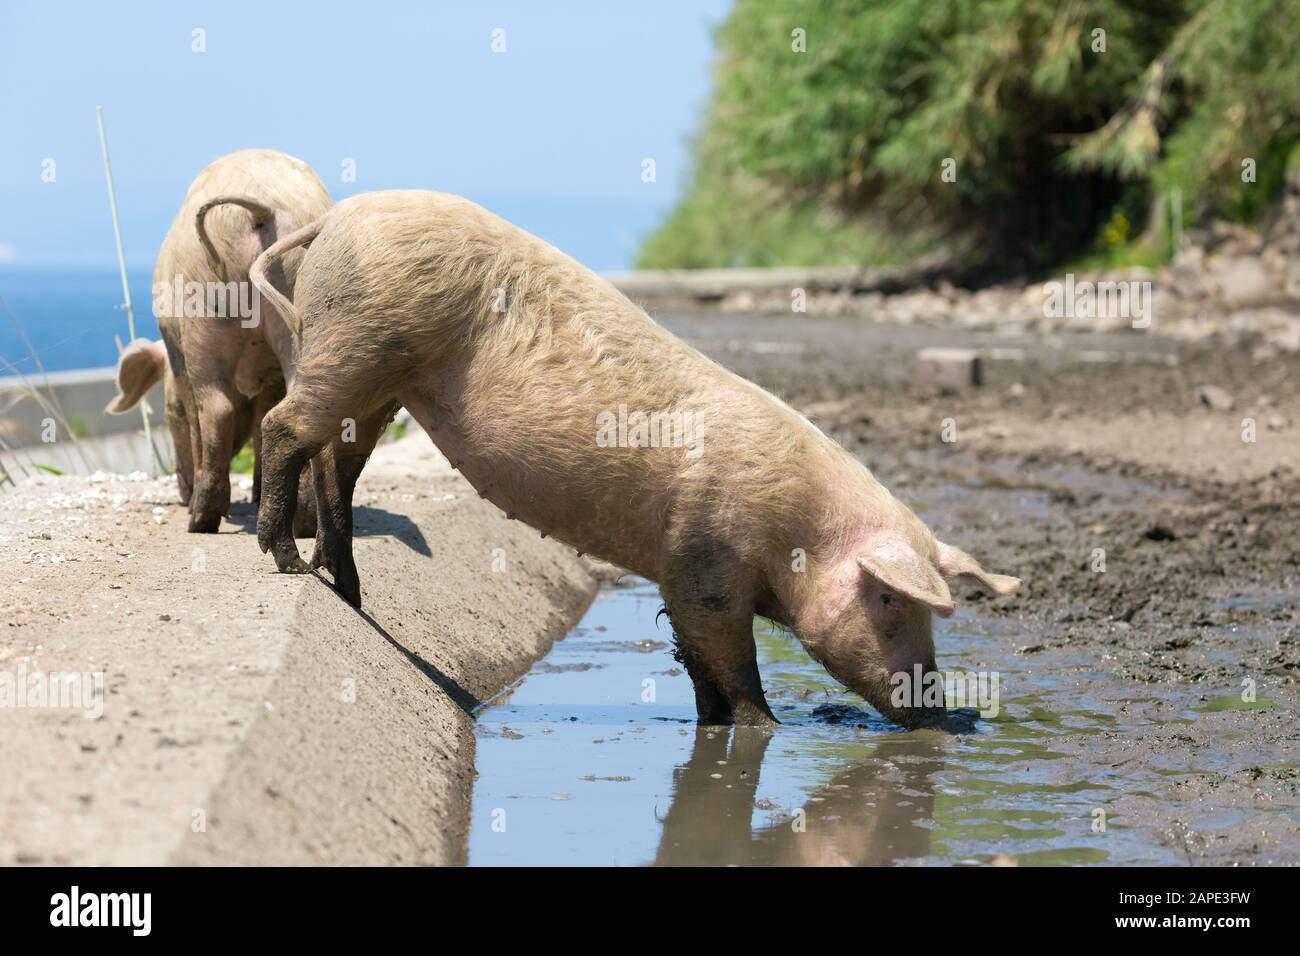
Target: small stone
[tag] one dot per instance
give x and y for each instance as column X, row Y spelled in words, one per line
column 1240, row 280
column 1214, row 398
column 949, row 368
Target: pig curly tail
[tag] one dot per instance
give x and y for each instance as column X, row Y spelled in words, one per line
column 261, row 216
column 257, row 273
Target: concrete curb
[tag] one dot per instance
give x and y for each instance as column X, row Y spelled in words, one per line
column 81, row 395
column 252, row 717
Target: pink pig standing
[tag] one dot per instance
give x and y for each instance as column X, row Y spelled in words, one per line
column 223, row 360
column 517, row 360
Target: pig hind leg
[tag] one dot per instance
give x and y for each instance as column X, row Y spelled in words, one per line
column 181, row 418
column 304, row 518
column 178, row 423
column 292, row 434
column 266, row 400
column 216, row 417
column 335, row 472
column 332, row 393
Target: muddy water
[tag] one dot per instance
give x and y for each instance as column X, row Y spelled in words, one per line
column 595, row 758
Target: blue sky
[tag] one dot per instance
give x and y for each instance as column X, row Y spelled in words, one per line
column 551, row 133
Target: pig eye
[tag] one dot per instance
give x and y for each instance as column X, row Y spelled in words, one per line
column 886, row 599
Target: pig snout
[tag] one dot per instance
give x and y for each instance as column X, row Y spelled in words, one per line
column 916, row 718
column 911, row 697
column 917, row 696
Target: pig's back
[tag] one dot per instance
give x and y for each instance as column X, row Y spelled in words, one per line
column 276, row 179
column 534, row 371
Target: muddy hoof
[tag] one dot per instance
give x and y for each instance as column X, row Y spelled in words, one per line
column 348, row 585
column 290, row 563
column 741, row 716
column 928, row 718
column 757, row 720
column 204, row 523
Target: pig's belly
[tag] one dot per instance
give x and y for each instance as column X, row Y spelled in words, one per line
column 560, row 485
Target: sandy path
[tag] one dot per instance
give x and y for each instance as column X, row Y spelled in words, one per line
column 252, row 717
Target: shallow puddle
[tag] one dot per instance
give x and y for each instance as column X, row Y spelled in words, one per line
column 595, row 758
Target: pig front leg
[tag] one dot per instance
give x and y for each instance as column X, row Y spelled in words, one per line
column 711, row 706
column 714, row 628
column 709, row 602
column 717, row 649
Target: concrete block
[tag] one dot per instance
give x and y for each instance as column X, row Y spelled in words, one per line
column 949, row 368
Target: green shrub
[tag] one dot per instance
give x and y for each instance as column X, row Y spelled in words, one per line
column 835, row 154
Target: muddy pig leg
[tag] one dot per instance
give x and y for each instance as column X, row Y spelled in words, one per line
column 181, row 418
column 211, row 500
column 710, row 706
column 292, row 434
column 335, row 472
column 718, row 652
column 304, row 516
column 178, row 424
column 196, row 447
column 325, row 483
column 714, row 628
column 266, row 400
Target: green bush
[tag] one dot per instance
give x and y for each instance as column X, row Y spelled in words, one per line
column 835, row 155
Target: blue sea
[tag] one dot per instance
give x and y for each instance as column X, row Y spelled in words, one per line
column 70, row 316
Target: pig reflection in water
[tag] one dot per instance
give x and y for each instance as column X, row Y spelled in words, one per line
column 868, row 815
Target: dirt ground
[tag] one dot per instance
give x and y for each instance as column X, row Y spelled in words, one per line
column 250, row 717
column 1080, row 453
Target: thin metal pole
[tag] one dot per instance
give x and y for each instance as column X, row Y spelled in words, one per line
column 121, row 264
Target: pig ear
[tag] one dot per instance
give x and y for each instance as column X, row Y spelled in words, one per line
column 895, row 564
column 956, row 563
column 139, row 369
